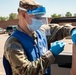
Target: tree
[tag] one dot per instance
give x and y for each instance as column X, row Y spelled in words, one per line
column 3, row 18
column 13, row 16
column 74, row 14
column 56, row 16
column 68, row 14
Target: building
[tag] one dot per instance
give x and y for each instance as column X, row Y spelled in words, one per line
column 4, row 24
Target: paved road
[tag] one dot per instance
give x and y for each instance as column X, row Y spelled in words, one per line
column 3, row 37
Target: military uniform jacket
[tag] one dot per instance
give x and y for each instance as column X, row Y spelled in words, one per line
column 20, row 64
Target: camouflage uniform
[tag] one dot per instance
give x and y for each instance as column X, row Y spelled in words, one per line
column 18, row 60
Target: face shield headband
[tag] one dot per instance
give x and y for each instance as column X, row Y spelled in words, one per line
column 37, row 11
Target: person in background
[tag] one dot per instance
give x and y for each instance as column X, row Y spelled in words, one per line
column 26, row 51
column 73, row 68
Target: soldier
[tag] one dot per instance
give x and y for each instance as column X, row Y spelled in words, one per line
column 26, row 51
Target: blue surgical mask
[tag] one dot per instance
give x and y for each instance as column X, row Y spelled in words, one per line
column 36, row 24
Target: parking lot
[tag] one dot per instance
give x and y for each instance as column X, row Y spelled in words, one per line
column 3, row 37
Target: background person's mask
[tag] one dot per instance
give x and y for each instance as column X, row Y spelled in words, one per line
column 36, row 24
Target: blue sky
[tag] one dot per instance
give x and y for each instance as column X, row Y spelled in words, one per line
column 52, row 6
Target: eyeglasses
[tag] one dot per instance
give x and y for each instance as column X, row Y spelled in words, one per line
column 38, row 17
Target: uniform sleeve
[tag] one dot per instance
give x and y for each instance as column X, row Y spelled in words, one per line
column 57, row 32
column 60, row 32
column 22, row 66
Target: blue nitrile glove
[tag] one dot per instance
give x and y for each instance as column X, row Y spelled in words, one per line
column 73, row 34
column 57, row 47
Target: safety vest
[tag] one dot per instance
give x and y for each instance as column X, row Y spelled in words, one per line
column 32, row 50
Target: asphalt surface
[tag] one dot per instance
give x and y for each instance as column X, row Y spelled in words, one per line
column 3, row 37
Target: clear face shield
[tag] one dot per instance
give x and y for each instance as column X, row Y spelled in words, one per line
column 36, row 15
column 39, row 14
column 45, row 20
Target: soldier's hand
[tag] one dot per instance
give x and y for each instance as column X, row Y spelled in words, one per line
column 74, row 36
column 57, row 47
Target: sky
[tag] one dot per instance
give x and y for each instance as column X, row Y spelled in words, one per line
column 52, row 6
